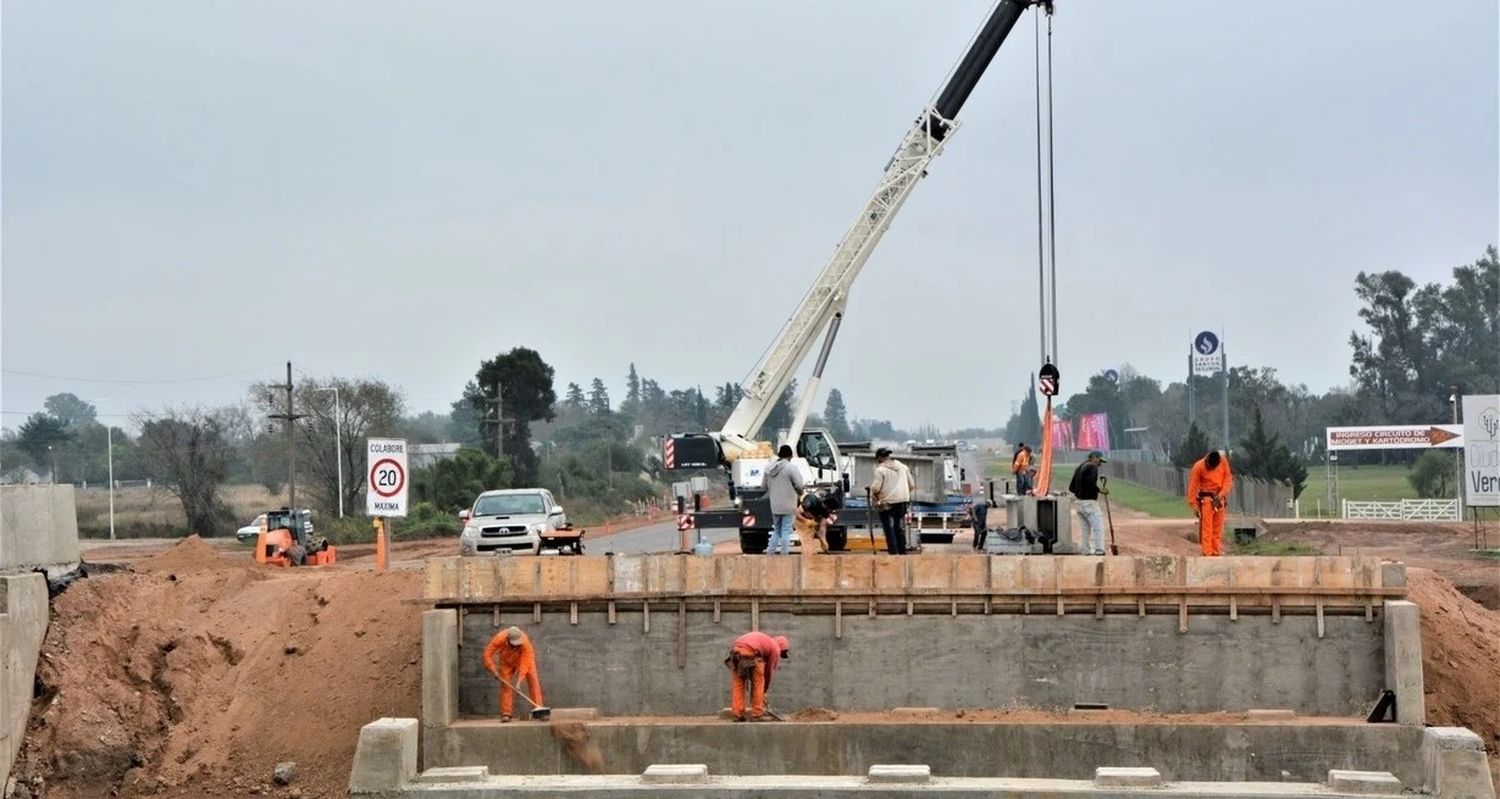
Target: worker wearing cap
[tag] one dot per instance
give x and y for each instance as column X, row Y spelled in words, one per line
column 891, row 489
column 752, row 660
column 1208, row 487
column 1085, row 490
column 510, row 657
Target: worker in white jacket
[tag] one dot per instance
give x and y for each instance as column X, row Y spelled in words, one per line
column 891, row 491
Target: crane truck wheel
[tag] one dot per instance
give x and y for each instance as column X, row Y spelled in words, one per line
column 297, row 555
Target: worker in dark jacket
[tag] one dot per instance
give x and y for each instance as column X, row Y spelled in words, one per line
column 980, row 510
column 752, row 660
column 1085, row 490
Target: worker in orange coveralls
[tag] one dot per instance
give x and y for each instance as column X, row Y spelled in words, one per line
column 510, row 657
column 1207, row 492
column 753, row 658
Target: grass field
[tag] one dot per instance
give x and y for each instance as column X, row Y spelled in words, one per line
column 154, row 512
column 1364, row 484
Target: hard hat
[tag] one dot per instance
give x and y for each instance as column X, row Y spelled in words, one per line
column 514, row 636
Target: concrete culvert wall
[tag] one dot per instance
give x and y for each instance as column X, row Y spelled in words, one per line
column 971, row 660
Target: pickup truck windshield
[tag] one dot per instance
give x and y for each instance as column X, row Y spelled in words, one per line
column 509, row 505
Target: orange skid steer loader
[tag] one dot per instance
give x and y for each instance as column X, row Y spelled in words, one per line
column 286, row 539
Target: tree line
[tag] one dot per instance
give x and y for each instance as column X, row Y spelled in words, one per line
column 1417, row 345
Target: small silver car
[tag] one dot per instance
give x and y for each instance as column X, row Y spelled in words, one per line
column 512, row 519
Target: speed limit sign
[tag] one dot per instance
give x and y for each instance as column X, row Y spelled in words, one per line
column 385, row 477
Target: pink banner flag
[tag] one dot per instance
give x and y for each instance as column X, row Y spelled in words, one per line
column 1093, row 431
column 1062, row 434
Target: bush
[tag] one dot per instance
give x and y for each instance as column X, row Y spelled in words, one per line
column 423, row 520
column 1432, row 475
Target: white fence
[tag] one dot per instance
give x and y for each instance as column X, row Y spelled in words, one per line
column 1427, row 510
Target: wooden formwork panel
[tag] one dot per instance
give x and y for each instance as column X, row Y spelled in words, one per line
column 1330, row 580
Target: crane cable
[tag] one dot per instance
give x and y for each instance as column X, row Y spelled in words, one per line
column 1046, row 245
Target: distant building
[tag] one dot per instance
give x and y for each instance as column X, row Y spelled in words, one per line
column 422, row 456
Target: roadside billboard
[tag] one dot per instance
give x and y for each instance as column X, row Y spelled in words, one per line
column 1396, row 436
column 1482, row 450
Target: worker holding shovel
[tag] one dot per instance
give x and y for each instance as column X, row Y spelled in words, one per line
column 1209, row 483
column 752, row 660
column 510, row 657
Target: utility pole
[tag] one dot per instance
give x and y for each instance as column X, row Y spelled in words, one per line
column 1458, row 459
column 499, row 421
column 290, row 417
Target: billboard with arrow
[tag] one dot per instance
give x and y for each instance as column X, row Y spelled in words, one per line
column 1399, row 436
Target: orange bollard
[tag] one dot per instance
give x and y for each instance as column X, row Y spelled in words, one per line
column 380, row 549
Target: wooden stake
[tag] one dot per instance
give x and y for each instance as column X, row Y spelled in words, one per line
column 1099, row 607
column 838, row 618
column 755, row 615
column 496, row 620
column 1234, row 608
column 1182, row 620
column 646, row 616
column 1059, row 605
column 1369, row 610
column 573, row 613
column 611, row 612
column 682, row 633
column 1275, row 610
column 1140, row 606
column 536, row 613
column 716, row 611
column 1319, row 606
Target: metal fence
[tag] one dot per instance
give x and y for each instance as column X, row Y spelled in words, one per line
column 1430, row 510
column 1250, row 496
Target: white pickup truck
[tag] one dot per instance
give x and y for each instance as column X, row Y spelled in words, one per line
column 512, row 519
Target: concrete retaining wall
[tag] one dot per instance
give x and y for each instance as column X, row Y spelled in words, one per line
column 38, row 528
column 966, row 661
column 23, row 624
column 1275, row 752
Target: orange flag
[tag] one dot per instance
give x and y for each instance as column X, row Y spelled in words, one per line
column 1044, row 469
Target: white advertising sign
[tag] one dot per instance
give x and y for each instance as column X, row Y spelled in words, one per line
column 385, row 477
column 1208, row 353
column 1482, row 451
column 1396, row 436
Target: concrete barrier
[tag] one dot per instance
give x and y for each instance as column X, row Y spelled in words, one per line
column 668, row 660
column 23, row 625
column 38, row 528
column 955, row 748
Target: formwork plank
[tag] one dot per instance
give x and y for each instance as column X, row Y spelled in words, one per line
column 592, row 576
column 1005, row 573
column 629, row 574
column 779, row 575
column 699, row 575
column 554, row 576
column 1039, row 575
column 971, row 572
column 889, row 572
column 820, row 574
column 736, row 573
column 855, row 574
column 1157, row 571
column 1080, row 571
column 932, row 573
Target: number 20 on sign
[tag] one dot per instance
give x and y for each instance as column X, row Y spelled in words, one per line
column 385, row 477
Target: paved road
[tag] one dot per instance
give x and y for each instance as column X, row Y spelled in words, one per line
column 662, row 537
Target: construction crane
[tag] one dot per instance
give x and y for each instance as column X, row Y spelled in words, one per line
column 821, row 311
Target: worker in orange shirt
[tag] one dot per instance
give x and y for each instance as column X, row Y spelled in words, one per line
column 1020, row 465
column 510, row 657
column 752, row 660
column 1208, row 487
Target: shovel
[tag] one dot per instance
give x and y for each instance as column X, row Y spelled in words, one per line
column 537, row 713
column 1114, row 549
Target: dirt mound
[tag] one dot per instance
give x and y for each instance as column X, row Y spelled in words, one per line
column 191, row 554
column 1460, row 659
column 815, row 714
column 578, row 743
column 190, row 679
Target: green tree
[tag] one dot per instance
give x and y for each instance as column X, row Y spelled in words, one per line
column 1193, row 447
column 632, row 403
column 38, row 437
column 452, row 484
column 70, row 410
column 188, row 451
column 524, row 382
column 573, row 398
column 780, row 417
column 1026, row 425
column 598, row 398
column 836, row 416
column 1432, row 474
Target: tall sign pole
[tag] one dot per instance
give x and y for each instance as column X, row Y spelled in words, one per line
column 1224, row 367
column 290, row 417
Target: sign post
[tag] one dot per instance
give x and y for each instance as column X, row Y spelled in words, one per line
column 1481, row 437
column 385, row 488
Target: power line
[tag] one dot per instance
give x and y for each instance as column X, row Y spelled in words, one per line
column 138, row 382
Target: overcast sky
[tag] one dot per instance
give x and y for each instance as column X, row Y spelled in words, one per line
column 401, row 189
